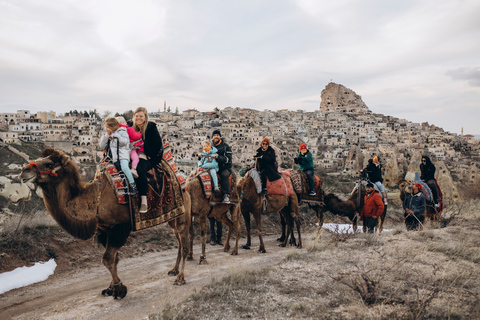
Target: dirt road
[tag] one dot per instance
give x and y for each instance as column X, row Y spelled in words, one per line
column 76, row 294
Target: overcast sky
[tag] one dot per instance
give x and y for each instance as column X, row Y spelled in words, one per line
column 416, row 60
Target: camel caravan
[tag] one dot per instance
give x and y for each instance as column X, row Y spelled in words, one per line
column 109, row 208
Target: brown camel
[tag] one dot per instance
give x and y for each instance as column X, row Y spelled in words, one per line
column 202, row 208
column 430, row 212
column 252, row 203
column 357, row 198
column 339, row 207
column 73, row 204
column 314, row 202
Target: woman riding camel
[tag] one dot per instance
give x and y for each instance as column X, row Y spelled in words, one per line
column 266, row 164
column 150, row 153
column 374, row 173
column 427, row 169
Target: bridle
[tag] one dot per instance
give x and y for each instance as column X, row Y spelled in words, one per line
column 53, row 172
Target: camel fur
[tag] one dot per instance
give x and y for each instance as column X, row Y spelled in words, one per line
column 73, row 204
column 201, row 209
column 339, row 207
column 252, row 204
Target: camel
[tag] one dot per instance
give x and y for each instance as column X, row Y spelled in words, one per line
column 357, row 198
column 78, row 206
column 339, row 207
column 202, row 208
column 252, row 203
column 430, row 213
column 314, row 202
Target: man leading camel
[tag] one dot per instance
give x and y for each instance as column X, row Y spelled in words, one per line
column 372, row 208
column 224, row 159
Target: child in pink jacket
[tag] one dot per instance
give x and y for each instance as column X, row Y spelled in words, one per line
column 136, row 142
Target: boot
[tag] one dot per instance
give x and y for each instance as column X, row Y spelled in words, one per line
column 143, row 208
column 226, row 198
column 134, row 173
column 133, row 189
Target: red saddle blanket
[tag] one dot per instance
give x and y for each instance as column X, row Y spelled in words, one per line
column 281, row 186
column 115, row 179
column 207, row 184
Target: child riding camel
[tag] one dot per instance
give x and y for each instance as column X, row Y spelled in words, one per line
column 208, row 162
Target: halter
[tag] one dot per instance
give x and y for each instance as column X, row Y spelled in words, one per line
column 52, row 173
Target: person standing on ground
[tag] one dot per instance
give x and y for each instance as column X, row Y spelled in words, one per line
column 414, row 206
column 372, row 208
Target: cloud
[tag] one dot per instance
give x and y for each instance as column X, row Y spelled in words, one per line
column 471, row 75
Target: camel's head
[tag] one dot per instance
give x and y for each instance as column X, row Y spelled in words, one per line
column 47, row 169
column 404, row 186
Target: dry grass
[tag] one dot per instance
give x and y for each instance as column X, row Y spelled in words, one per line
column 432, row 274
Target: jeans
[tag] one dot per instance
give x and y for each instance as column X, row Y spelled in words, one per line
column 433, row 187
column 126, row 170
column 224, row 183
column 218, row 235
column 311, row 181
column 213, row 175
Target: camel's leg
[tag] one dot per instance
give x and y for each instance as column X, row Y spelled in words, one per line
column 203, row 235
column 235, row 212
column 183, row 245
column 246, row 218
column 258, row 221
column 110, row 260
column 284, row 225
column 226, row 221
column 175, row 271
column 190, row 241
column 299, row 224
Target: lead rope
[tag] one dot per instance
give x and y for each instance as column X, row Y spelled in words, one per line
column 97, row 233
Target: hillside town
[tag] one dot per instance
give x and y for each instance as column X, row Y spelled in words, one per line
column 342, row 135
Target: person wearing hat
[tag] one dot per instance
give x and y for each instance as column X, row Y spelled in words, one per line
column 372, row 208
column 224, row 159
column 427, row 169
column 266, row 164
column 305, row 160
column 373, row 172
column 414, row 205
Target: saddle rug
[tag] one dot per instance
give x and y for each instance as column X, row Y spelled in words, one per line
column 282, row 186
column 207, row 185
column 167, row 155
column 116, row 179
column 300, row 181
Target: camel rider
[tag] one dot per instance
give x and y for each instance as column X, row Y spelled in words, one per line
column 305, row 160
column 224, row 159
column 372, row 208
column 414, row 206
column 427, row 169
column 374, row 174
column 266, row 164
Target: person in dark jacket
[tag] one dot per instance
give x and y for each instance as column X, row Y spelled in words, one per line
column 150, row 153
column 305, row 160
column 224, row 159
column 372, row 208
column 266, row 164
column 427, row 170
column 373, row 172
column 414, row 206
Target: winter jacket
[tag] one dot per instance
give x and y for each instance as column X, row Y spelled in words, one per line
column 305, row 161
column 133, row 135
column 208, row 162
column 372, row 205
column 415, row 202
column 224, row 156
column 427, row 170
column 123, row 141
column 152, row 144
column 267, row 162
column 374, row 172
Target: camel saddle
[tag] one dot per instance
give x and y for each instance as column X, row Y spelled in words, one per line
column 282, row 186
column 207, row 186
column 165, row 199
column 301, row 185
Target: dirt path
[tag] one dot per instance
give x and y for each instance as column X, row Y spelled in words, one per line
column 76, row 294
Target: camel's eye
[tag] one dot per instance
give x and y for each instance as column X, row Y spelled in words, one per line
column 49, row 165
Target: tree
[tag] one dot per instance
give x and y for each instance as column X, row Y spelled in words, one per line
column 85, row 114
column 168, row 109
column 128, row 115
column 176, row 110
column 108, row 113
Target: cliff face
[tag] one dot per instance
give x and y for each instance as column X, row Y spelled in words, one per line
column 336, row 97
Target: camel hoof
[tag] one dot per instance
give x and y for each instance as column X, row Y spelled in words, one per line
column 226, row 249
column 189, row 258
column 283, row 245
column 246, row 247
column 180, row 281
column 119, row 291
column 281, row 239
column 299, row 246
column 107, row 292
column 203, row 260
column 173, row 272
column 262, row 251
column 234, row 252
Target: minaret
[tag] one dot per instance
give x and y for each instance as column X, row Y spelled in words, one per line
column 164, row 105
column 462, row 132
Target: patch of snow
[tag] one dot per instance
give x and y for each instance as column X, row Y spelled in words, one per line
column 344, row 228
column 25, row 276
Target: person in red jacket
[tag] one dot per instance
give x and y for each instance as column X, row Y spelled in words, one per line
column 372, row 208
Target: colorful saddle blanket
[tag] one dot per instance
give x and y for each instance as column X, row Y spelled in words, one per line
column 300, row 182
column 282, row 186
column 206, row 181
column 116, row 179
column 167, row 155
